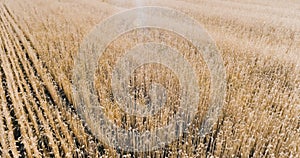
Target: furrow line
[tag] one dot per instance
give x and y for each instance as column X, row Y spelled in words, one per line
column 58, row 99
column 20, row 114
column 37, row 102
column 35, row 87
column 11, row 108
column 81, row 135
column 3, row 128
column 12, row 143
column 65, row 128
column 59, row 94
column 31, row 101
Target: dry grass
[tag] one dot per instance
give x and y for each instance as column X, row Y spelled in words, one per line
column 259, row 41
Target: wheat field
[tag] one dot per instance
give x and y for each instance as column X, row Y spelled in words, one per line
column 259, row 42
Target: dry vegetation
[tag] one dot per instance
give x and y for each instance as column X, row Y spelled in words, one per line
column 260, row 45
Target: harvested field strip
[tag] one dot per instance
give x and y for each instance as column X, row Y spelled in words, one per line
column 38, row 91
column 56, row 94
column 17, row 114
column 5, row 100
column 30, row 95
column 58, row 86
column 39, row 106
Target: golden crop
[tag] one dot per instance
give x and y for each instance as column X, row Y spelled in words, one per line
column 259, row 42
